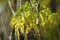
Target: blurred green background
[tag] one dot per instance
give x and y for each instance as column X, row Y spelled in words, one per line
column 52, row 30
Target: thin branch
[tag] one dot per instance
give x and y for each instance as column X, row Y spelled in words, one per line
column 13, row 12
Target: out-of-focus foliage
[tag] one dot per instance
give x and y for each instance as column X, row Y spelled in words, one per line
column 49, row 22
column 45, row 2
column 47, row 15
column 26, row 18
